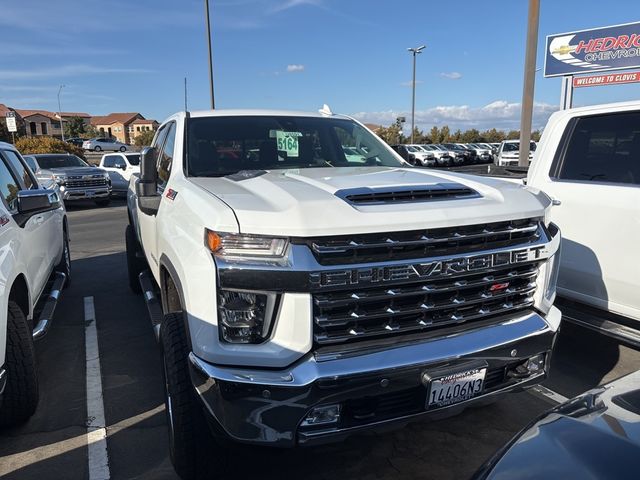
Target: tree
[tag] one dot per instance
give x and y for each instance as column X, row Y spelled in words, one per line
column 457, row 136
column 145, row 138
column 445, row 134
column 74, row 127
column 493, row 135
column 470, row 136
column 535, row 135
column 28, row 145
column 513, row 135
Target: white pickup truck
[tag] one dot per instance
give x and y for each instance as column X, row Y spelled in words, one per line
column 588, row 162
column 35, row 264
column 300, row 297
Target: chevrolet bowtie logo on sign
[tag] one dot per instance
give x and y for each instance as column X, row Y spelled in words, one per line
column 440, row 268
column 585, row 51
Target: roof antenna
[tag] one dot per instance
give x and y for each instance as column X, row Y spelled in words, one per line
column 185, row 95
column 325, row 110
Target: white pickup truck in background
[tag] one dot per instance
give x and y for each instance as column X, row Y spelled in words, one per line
column 588, row 162
column 120, row 167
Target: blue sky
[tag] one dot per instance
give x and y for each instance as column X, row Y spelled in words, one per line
column 123, row 55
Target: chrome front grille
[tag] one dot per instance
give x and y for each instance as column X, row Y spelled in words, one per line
column 380, row 247
column 366, row 313
column 96, row 181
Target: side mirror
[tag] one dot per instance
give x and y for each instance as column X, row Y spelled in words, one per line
column 32, row 202
column 122, row 166
column 147, row 185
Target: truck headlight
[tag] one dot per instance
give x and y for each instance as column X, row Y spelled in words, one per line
column 239, row 247
column 59, row 179
column 245, row 317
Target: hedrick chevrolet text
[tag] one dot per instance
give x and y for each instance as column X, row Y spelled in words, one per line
column 300, row 295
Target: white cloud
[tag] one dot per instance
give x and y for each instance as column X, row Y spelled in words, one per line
column 293, row 68
column 295, row 3
column 451, row 75
column 65, row 71
column 500, row 114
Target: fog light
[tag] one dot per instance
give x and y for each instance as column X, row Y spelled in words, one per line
column 245, row 317
column 324, row 415
column 535, row 364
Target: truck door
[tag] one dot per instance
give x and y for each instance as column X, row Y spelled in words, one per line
column 35, row 237
column 164, row 145
column 596, row 178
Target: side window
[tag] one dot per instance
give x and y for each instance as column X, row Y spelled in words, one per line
column 604, row 149
column 26, row 180
column 9, row 187
column 32, row 163
column 165, row 157
column 114, row 161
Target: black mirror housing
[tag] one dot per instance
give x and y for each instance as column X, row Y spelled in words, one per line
column 35, row 201
column 32, row 202
column 148, row 167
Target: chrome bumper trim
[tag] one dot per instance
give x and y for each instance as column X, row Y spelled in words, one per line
column 452, row 347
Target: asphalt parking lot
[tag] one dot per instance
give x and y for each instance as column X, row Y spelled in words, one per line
column 53, row 444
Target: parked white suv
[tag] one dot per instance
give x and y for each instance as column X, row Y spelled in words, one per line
column 35, row 265
column 120, row 167
column 294, row 291
column 105, row 145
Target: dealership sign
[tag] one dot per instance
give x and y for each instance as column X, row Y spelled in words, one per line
column 598, row 49
column 606, row 79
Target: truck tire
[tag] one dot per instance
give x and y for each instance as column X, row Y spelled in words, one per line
column 64, row 265
column 20, row 397
column 193, row 452
column 135, row 264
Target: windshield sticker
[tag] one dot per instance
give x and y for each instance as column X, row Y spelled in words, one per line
column 288, row 142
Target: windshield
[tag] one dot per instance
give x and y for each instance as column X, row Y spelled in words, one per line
column 411, row 148
column 515, row 146
column 219, row 146
column 60, row 161
column 134, row 158
column 453, row 146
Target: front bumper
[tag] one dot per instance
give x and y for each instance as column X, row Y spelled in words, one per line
column 262, row 406
column 70, row 194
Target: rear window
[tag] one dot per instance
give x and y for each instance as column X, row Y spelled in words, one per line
column 604, row 148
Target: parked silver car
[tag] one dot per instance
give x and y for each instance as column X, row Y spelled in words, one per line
column 105, row 144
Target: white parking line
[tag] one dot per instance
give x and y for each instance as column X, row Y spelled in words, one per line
column 548, row 393
column 96, row 428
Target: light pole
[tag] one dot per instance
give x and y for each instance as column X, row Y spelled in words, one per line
column 206, row 14
column 60, row 112
column 414, row 51
column 529, row 82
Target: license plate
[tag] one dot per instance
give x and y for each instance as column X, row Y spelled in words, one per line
column 89, row 193
column 455, row 387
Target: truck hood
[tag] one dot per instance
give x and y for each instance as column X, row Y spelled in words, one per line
column 303, row 202
column 73, row 171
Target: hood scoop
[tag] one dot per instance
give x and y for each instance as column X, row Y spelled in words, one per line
column 406, row 194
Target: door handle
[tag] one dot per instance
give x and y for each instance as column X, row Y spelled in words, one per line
column 38, row 219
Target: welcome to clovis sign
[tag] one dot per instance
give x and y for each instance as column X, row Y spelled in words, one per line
column 595, row 50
